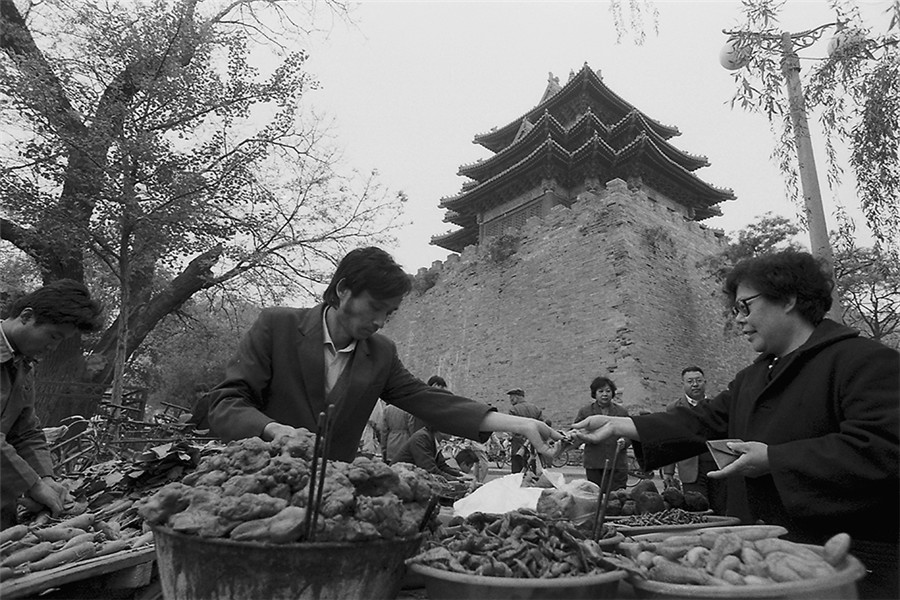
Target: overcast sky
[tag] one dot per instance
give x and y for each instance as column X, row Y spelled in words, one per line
column 412, row 83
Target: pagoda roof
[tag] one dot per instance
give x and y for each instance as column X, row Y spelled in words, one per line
column 546, row 154
column 634, row 123
column 670, row 178
column 617, row 136
column 456, row 241
column 643, row 149
column 585, row 81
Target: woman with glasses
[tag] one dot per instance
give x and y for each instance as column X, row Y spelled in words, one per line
column 817, row 412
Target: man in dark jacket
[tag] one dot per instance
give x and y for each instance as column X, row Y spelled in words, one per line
column 294, row 363
column 817, row 414
column 692, row 472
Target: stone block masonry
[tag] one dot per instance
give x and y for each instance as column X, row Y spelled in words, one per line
column 609, row 286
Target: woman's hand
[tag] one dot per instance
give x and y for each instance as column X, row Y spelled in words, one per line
column 753, row 462
column 599, row 428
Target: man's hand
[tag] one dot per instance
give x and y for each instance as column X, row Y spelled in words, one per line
column 599, row 428
column 538, row 433
column 275, row 430
column 50, row 494
column 753, row 462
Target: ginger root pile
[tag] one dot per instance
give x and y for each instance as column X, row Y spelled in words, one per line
column 256, row 490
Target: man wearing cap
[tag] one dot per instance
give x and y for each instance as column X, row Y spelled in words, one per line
column 520, row 408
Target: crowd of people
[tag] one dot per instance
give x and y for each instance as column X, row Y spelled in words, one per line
column 816, row 414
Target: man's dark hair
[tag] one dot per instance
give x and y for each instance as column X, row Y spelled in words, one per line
column 437, row 380
column 692, row 370
column 370, row 270
column 466, row 457
column 780, row 275
column 599, row 382
column 62, row 302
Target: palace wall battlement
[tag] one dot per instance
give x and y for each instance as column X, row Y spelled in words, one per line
column 608, row 286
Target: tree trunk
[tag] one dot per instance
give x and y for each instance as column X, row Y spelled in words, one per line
column 142, row 319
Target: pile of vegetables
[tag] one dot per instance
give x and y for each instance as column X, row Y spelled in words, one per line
column 259, row 491
column 26, row 549
column 670, row 516
column 740, row 556
column 103, row 517
column 515, row 544
column 645, row 498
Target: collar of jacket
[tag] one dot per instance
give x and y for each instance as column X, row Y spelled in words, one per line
column 826, row 333
column 312, row 326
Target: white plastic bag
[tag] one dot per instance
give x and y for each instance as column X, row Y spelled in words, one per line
column 504, row 495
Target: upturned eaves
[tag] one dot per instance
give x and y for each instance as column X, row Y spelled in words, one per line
column 585, row 81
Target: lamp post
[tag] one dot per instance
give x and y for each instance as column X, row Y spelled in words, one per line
column 736, row 55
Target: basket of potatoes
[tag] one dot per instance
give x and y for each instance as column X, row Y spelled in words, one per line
column 741, row 561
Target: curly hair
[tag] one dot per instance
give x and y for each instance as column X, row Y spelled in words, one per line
column 782, row 275
column 370, row 270
column 61, row 302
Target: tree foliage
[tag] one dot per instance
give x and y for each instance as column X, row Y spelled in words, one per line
column 769, row 233
column 867, row 279
column 161, row 147
column 855, row 91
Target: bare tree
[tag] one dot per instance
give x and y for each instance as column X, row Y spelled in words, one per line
column 150, row 147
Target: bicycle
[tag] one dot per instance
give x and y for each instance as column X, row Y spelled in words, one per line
column 498, row 450
column 635, row 473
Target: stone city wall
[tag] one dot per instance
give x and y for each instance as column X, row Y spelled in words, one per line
column 610, row 286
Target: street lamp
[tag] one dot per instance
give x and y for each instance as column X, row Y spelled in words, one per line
column 737, row 54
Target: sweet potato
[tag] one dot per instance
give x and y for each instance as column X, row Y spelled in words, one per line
column 729, row 563
column 725, row 545
column 113, row 546
column 83, row 521
column 778, row 569
column 696, row 557
column 750, row 555
column 805, row 568
column 78, row 539
column 13, row 534
column 733, row 577
column 769, row 545
column 62, row 557
column 751, row 533
column 141, row 540
column 26, row 542
column 33, row 553
column 757, row 580
column 667, row 571
column 836, row 548
column 57, row 533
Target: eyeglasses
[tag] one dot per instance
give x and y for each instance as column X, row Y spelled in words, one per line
column 742, row 306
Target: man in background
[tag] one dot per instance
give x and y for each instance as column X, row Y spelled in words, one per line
column 692, row 471
column 520, row 408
